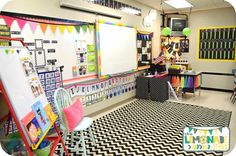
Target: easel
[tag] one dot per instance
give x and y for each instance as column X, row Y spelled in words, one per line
column 55, row 139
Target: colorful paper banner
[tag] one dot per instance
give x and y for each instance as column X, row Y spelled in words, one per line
column 43, row 27
column 53, row 28
column 32, row 25
column 8, row 20
column 21, row 23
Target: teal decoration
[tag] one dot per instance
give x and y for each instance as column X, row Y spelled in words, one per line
column 166, row 31
column 186, row 31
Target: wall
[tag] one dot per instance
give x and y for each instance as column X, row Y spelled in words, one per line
column 51, row 8
column 211, row 18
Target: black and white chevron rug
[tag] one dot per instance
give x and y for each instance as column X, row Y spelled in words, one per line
column 149, row 128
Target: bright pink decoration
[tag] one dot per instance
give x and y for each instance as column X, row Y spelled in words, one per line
column 8, row 20
column 73, row 114
column 21, row 23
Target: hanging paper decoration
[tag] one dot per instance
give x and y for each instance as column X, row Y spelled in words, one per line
column 91, row 27
column 33, row 26
column 6, row 51
column 70, row 29
column 186, row 31
column 77, row 28
column 21, row 23
column 62, row 28
column 8, row 20
column 53, row 28
column 166, row 31
column 12, row 51
column 43, row 27
column 84, row 28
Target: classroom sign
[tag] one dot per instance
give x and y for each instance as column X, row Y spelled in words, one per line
column 206, row 138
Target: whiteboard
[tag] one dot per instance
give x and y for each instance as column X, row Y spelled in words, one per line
column 117, row 49
column 16, row 83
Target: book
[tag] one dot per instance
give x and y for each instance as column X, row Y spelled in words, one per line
column 41, row 116
column 32, row 128
column 51, row 115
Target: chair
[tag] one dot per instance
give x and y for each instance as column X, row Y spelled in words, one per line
column 62, row 100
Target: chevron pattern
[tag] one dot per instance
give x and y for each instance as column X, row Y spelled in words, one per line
column 149, row 128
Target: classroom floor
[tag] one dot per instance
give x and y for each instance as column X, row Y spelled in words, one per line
column 210, row 99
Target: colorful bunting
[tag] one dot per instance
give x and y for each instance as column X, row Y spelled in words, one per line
column 221, row 129
column 91, row 28
column 12, row 51
column 190, row 129
column 53, row 28
column 62, row 28
column 6, row 51
column 21, row 23
column 43, row 27
column 210, row 131
column 8, row 20
column 33, row 26
column 77, row 28
column 70, row 29
column 84, row 28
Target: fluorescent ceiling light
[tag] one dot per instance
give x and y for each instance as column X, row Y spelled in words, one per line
column 178, row 4
column 130, row 10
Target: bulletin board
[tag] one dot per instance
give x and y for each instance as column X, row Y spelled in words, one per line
column 217, row 43
column 55, row 42
column 117, row 51
column 24, row 91
column 144, row 48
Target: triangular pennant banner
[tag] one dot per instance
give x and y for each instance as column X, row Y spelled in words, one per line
column 70, row 28
column 6, row 51
column 91, row 27
column 8, row 20
column 220, row 129
column 21, row 23
column 77, row 28
column 33, row 26
column 62, row 28
column 190, row 129
column 53, row 28
column 43, row 27
column 84, row 28
column 210, row 131
column 12, row 51
column 195, row 130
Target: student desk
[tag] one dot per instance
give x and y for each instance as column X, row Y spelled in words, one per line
column 189, row 81
column 152, row 87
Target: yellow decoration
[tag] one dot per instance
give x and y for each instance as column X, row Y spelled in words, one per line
column 70, row 28
column 62, row 28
